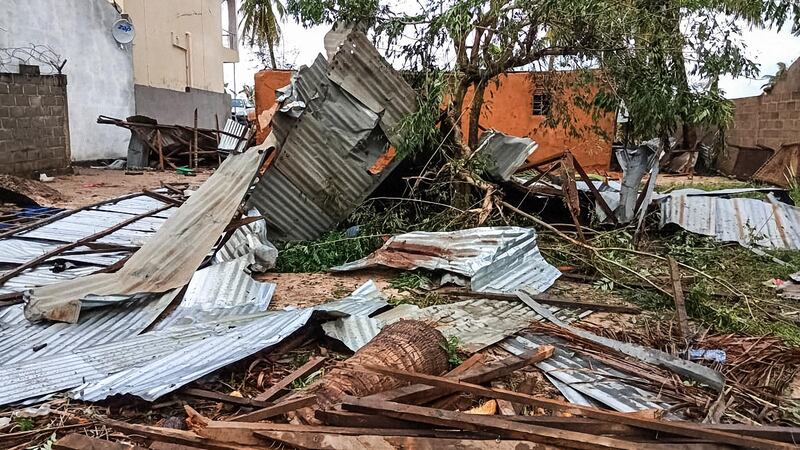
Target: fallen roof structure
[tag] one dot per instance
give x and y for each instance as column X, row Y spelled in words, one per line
column 337, row 150
column 166, row 261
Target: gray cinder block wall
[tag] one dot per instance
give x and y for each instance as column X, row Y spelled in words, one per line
column 34, row 124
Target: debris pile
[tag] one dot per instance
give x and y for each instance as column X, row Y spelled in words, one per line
column 156, row 308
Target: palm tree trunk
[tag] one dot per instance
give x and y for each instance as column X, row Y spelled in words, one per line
column 272, row 55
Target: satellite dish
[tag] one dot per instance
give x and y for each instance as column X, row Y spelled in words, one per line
column 123, row 31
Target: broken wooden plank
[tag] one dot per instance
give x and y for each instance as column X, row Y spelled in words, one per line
column 243, row 433
column 168, row 435
column 312, row 365
column 505, row 408
column 419, row 389
column 317, row 441
column 338, row 418
column 77, row 441
column 518, row 430
column 418, row 393
column 687, row 429
column 277, row 409
column 224, row 398
column 677, row 295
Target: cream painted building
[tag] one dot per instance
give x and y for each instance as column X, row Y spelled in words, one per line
column 179, row 53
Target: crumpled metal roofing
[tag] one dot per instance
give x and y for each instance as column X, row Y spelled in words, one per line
column 585, row 377
column 477, row 323
column 25, row 341
column 336, row 152
column 220, row 290
column 505, row 153
column 750, row 222
column 498, row 259
column 104, row 355
column 167, row 260
column 175, row 369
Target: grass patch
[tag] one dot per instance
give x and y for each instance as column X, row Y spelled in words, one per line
column 422, row 301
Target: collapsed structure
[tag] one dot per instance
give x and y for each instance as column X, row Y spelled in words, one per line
column 144, row 294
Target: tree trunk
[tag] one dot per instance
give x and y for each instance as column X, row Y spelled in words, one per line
column 272, row 54
column 475, row 114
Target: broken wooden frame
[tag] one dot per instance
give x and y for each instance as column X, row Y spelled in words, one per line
column 568, row 192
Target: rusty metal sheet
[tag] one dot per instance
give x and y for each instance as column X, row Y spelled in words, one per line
column 170, row 257
column 498, row 259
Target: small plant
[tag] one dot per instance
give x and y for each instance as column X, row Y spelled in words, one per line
column 408, row 281
column 302, row 383
column 25, row 423
column 450, row 345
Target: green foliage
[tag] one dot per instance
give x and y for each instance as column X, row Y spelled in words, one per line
column 407, row 281
column 331, row 249
column 303, row 382
column 260, row 24
column 24, row 423
column 450, row 345
column 419, row 129
column 650, row 51
column 422, row 301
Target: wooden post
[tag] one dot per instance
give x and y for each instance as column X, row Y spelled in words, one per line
column 160, row 150
column 677, row 294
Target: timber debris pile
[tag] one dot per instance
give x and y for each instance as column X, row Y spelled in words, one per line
column 155, row 319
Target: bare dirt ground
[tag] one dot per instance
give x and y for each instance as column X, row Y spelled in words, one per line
column 301, row 290
column 87, row 186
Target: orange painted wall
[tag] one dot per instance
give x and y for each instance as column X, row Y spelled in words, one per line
column 508, row 107
column 266, row 81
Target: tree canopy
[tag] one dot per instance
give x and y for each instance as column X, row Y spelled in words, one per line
column 661, row 59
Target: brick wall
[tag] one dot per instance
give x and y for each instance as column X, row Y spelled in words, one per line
column 770, row 119
column 34, row 130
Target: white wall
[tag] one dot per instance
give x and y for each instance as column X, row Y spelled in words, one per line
column 99, row 72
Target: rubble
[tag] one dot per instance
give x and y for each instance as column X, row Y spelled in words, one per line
column 155, row 305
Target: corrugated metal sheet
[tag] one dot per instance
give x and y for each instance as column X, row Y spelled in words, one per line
column 27, row 341
column 221, row 290
column 362, row 302
column 200, row 358
column 499, row 259
column 587, row 376
column 323, row 169
column 505, row 153
column 354, row 331
column 181, row 366
column 479, row 323
column 750, row 222
column 167, row 260
column 65, row 371
column 43, row 275
column 358, row 68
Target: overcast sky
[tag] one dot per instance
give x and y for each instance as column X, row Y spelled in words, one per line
column 300, row 46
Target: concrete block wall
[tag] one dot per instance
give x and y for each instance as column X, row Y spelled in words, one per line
column 771, row 119
column 34, row 130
